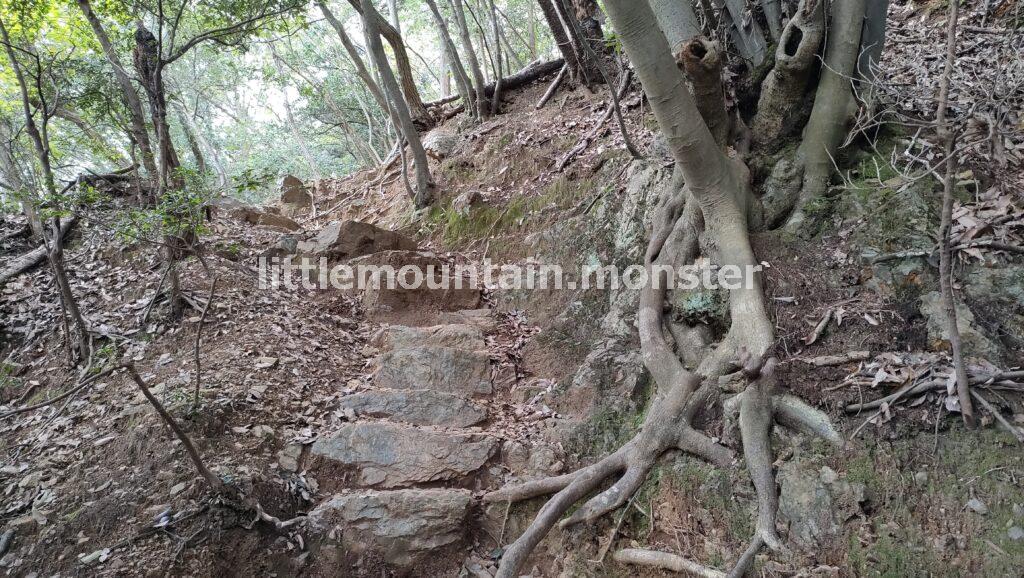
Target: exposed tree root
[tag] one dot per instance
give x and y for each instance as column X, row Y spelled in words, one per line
column 712, row 213
column 665, row 561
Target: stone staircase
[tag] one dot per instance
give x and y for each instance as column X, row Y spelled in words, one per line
column 404, row 469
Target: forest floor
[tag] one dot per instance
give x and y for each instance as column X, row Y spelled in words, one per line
column 99, row 486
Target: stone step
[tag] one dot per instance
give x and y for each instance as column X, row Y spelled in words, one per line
column 386, row 455
column 458, row 336
column 479, row 318
column 425, row 301
column 405, row 527
column 417, row 407
column 439, row 369
column 444, row 369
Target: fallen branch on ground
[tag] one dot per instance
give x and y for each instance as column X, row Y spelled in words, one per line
column 553, row 88
column 593, row 133
column 35, row 256
column 832, row 360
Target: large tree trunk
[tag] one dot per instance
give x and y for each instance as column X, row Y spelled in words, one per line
column 408, row 80
column 149, row 64
column 677, row 20
column 480, row 103
column 454, row 63
column 562, row 40
column 833, row 104
column 746, row 34
column 131, row 98
column 588, row 63
column 357, row 61
column 401, row 109
column 873, row 38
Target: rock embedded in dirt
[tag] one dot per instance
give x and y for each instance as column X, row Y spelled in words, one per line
column 404, row 526
column 466, row 201
column 460, row 336
column 444, row 369
column 440, row 289
column 976, row 344
column 392, row 456
column 417, row 407
column 348, row 239
column 295, row 198
column 248, row 214
column 288, row 458
column 815, row 502
column 977, row 506
column 286, row 244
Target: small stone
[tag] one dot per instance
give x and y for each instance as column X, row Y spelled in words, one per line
column 265, row 362
column 288, row 458
column 943, row 543
column 1015, row 533
column 977, row 506
column 921, row 478
column 178, row 488
column 828, row 475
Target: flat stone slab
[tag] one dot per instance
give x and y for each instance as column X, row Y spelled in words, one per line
column 452, row 335
column 417, row 407
column 391, row 456
column 445, row 369
column 402, row 525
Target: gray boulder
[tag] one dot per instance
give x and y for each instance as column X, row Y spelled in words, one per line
column 815, row 502
column 441, row 291
column 404, row 526
column 348, row 239
column 440, row 143
column 391, row 456
column 417, row 407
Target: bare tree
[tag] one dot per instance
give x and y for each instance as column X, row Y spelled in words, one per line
column 948, row 137
column 39, row 134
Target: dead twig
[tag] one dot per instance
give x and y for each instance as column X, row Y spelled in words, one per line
column 553, row 88
column 199, row 335
column 156, row 295
column 1017, row 433
column 81, row 385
